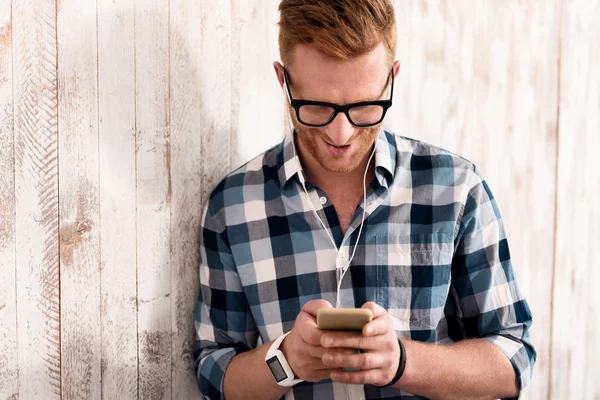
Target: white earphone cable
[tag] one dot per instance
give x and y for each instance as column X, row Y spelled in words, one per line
column 344, row 269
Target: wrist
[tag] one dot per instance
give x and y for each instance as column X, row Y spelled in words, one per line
column 407, row 380
column 278, row 364
column 399, row 371
column 283, row 347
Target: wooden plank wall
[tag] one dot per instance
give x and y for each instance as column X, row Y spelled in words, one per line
column 575, row 299
column 118, row 118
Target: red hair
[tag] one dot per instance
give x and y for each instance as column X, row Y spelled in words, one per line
column 341, row 29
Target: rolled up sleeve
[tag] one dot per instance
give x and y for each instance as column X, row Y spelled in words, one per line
column 222, row 320
column 490, row 303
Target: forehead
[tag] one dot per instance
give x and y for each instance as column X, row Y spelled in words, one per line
column 316, row 76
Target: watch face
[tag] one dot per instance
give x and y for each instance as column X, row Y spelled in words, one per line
column 276, row 369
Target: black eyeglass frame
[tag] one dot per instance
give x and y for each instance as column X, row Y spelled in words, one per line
column 296, row 104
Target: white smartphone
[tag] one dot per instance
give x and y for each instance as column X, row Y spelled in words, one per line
column 343, row 319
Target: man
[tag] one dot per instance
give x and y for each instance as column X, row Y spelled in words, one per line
column 343, row 213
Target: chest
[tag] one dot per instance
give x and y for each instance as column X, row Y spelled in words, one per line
column 345, row 205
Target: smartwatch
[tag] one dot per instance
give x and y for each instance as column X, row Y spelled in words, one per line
column 278, row 365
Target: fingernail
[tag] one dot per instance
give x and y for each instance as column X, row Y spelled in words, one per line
column 369, row 330
column 327, row 341
column 327, row 358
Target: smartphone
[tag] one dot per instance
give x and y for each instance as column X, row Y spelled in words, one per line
column 343, row 319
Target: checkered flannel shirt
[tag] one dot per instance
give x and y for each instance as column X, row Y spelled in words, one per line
column 433, row 253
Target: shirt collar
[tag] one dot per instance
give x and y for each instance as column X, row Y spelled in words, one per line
column 385, row 158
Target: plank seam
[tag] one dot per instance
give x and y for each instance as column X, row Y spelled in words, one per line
column 137, row 315
column 169, row 188
column 556, row 169
column 99, row 208
column 54, row 82
column 12, row 60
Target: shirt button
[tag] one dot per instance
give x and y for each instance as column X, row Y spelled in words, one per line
column 323, row 200
column 342, row 253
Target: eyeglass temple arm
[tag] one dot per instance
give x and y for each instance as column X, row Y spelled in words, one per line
column 287, row 87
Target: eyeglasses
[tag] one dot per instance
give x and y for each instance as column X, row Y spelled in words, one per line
column 318, row 113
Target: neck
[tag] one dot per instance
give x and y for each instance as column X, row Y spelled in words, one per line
column 334, row 181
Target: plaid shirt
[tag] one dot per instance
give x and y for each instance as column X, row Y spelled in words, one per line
column 433, row 252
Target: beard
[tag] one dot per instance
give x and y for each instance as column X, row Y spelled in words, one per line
column 312, row 138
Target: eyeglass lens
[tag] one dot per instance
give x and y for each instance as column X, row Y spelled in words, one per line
column 359, row 115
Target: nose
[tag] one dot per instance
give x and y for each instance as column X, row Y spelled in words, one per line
column 340, row 130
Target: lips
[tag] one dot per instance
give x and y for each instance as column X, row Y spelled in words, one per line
column 337, row 150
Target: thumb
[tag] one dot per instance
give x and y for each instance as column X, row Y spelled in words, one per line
column 375, row 308
column 313, row 306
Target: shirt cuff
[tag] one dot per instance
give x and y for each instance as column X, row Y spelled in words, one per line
column 213, row 370
column 518, row 355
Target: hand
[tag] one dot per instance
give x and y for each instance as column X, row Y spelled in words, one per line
column 302, row 347
column 381, row 351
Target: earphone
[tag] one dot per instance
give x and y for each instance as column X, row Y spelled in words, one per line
column 303, row 183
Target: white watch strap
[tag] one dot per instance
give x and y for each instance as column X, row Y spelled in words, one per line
column 276, row 344
column 274, row 351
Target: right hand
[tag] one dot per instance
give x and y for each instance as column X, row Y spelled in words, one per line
column 302, row 347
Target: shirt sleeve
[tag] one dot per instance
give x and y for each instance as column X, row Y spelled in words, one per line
column 223, row 323
column 490, row 303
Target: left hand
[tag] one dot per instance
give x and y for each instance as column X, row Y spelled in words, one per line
column 381, row 351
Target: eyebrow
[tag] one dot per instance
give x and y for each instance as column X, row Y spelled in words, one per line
column 361, row 100
column 380, row 94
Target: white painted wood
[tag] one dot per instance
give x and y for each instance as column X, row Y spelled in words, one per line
column 36, row 197
column 185, row 110
column 418, row 101
column 576, row 301
column 9, row 373
column 257, row 99
column 79, row 203
column 153, row 177
column 216, row 93
column 184, row 93
column 117, row 177
column 502, row 108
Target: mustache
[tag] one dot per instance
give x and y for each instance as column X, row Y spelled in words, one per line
column 362, row 133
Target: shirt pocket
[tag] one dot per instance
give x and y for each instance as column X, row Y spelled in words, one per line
column 413, row 278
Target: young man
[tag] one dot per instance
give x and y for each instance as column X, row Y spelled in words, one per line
column 343, row 213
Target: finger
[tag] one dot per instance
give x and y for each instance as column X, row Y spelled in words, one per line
column 309, row 333
column 306, row 326
column 368, row 376
column 379, row 326
column 375, row 308
column 352, row 340
column 319, row 375
column 319, row 351
column 362, row 361
column 313, row 306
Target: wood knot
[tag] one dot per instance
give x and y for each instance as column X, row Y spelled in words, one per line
column 84, row 228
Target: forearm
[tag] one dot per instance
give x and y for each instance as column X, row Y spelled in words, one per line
column 248, row 377
column 470, row 369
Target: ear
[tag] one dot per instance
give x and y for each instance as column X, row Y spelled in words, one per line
column 279, row 72
column 396, row 68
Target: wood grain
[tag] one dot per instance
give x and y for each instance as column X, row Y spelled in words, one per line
column 153, row 178
column 185, row 119
column 79, row 202
column 36, row 197
column 216, row 93
column 257, row 104
column 576, row 299
column 177, row 93
column 504, row 116
column 418, row 104
column 117, row 176
column 9, row 372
